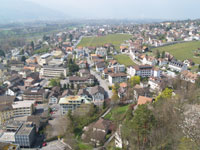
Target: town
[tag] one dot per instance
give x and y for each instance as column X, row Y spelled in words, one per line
column 102, row 86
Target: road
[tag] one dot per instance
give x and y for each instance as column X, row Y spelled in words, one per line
column 103, row 83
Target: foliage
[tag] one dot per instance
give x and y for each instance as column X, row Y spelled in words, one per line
column 157, row 54
column 40, row 51
column 23, row 59
column 2, row 53
column 134, row 80
column 82, row 146
column 73, row 67
column 54, row 82
column 167, row 93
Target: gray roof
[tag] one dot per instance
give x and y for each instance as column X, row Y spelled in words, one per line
column 97, row 89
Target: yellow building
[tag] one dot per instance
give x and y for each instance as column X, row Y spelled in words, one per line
column 6, row 112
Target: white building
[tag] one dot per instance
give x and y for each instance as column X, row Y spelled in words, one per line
column 177, row 66
column 117, row 78
column 44, row 59
column 23, row 108
column 52, row 71
column 101, row 52
column 144, row 71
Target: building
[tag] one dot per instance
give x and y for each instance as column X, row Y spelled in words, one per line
column 72, row 102
column 23, row 108
column 26, row 135
column 52, row 71
column 117, row 78
column 98, row 95
column 177, row 66
column 144, row 100
column 9, row 146
column 144, row 71
column 101, row 51
column 6, row 112
column 44, row 59
column 34, row 94
column 100, row 66
column 189, row 76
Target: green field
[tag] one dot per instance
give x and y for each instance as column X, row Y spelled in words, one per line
column 182, row 51
column 124, row 59
column 117, row 113
column 115, row 39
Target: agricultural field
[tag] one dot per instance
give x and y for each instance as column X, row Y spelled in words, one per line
column 124, row 59
column 115, row 39
column 182, row 51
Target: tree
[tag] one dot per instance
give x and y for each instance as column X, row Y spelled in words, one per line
column 2, row 53
column 135, row 80
column 142, row 123
column 54, row 82
column 32, row 45
column 70, row 37
column 157, row 54
column 23, row 59
column 167, row 93
column 163, row 54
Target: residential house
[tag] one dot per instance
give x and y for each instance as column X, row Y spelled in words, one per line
column 107, row 71
column 100, row 66
column 54, row 95
column 82, row 64
column 155, row 84
column 149, row 60
column 96, row 132
column 53, row 71
column 84, row 72
column 140, row 91
column 44, row 59
column 31, row 79
column 98, row 95
column 101, row 52
column 117, row 78
column 189, row 76
column 143, row 100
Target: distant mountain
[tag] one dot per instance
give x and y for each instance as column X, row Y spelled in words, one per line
column 21, row 10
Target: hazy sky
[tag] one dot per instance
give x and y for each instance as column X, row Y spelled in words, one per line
column 153, row 9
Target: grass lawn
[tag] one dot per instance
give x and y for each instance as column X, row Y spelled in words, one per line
column 182, row 51
column 83, row 146
column 117, row 113
column 124, row 59
column 115, row 39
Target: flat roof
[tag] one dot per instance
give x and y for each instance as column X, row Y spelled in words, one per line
column 45, row 55
column 25, row 129
column 20, row 104
column 65, row 100
column 7, row 137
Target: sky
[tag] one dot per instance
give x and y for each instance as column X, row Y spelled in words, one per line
column 125, row 9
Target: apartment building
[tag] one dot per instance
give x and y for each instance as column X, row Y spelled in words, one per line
column 34, row 94
column 52, row 71
column 23, row 108
column 72, row 102
column 144, row 71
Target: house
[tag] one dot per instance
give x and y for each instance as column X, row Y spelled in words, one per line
column 188, row 62
column 67, row 93
column 14, row 80
column 84, row 92
column 149, row 60
column 100, row 66
column 144, row 71
column 31, row 79
column 122, row 90
column 117, row 78
column 101, row 52
column 177, row 66
column 80, row 53
column 107, row 71
column 76, row 80
column 144, row 100
column 54, row 95
column 189, row 76
column 96, row 132
column 162, row 62
column 82, row 64
column 6, row 112
column 155, row 84
column 98, row 95
column 84, row 72
column 140, row 91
